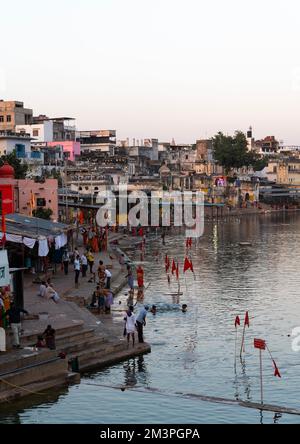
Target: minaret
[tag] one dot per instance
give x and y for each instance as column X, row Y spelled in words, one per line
column 250, row 139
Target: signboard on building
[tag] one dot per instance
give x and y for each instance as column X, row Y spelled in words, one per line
column 4, row 269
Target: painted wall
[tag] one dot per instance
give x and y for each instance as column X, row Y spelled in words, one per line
column 7, row 197
column 47, row 191
column 73, row 148
column 45, row 131
column 9, row 145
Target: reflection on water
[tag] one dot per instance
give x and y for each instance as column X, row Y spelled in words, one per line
column 193, row 352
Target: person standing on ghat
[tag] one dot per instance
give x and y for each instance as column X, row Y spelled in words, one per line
column 101, row 274
column 84, row 265
column 77, row 270
column 141, row 322
column 14, row 319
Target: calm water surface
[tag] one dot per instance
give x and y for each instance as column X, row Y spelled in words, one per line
column 194, row 352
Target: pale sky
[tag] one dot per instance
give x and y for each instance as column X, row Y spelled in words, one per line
column 158, row 68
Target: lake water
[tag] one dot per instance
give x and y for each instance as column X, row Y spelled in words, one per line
column 193, row 352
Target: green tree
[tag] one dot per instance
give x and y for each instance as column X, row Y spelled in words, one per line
column 19, row 167
column 42, row 213
column 232, row 152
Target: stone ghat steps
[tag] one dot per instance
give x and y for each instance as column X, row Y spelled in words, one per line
column 28, row 339
column 89, row 357
column 84, row 345
column 39, row 389
column 71, row 338
column 47, row 370
column 115, row 356
column 23, row 358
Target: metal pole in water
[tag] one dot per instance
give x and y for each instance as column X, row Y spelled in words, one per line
column 243, row 342
column 235, row 349
column 261, row 377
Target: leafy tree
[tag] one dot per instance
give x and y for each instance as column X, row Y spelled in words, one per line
column 19, row 167
column 42, row 213
column 232, row 152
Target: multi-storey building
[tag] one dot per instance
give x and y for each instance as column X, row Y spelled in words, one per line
column 100, row 140
column 13, row 113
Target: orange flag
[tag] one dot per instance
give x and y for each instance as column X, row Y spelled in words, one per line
column 247, row 319
column 173, row 267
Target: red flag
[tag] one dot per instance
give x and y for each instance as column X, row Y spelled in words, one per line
column 168, row 265
column 190, row 242
column 237, row 321
column 247, row 319
column 187, row 265
column 141, row 232
column 192, row 266
column 173, row 267
column 276, row 372
column 177, row 272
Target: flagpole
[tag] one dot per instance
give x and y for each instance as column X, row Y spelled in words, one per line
column 261, row 377
column 235, row 348
column 246, row 322
column 243, row 341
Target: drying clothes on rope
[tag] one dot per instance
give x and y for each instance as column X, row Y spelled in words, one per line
column 43, row 248
column 30, row 243
column 13, row 238
column 60, row 241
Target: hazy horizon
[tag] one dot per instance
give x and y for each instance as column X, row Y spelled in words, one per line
column 163, row 69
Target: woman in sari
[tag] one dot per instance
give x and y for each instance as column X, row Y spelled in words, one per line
column 140, row 276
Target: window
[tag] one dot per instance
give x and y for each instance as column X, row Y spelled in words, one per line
column 41, row 202
column 1, row 119
column 35, row 133
column 8, row 118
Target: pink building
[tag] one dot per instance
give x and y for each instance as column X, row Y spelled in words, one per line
column 45, row 196
column 69, row 146
column 16, row 195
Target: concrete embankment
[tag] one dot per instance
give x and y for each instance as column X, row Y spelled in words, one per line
column 89, row 341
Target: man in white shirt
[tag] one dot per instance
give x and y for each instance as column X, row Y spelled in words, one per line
column 141, row 322
column 108, row 279
column 77, row 270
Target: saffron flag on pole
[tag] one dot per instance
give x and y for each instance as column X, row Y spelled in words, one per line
column 32, row 202
column 247, row 319
column 276, row 372
column 187, row 265
column 192, row 266
column 173, row 267
column 237, row 321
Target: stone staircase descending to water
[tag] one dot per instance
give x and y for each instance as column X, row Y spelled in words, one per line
column 85, row 342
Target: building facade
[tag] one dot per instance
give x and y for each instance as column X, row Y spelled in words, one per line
column 17, row 195
column 13, row 113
